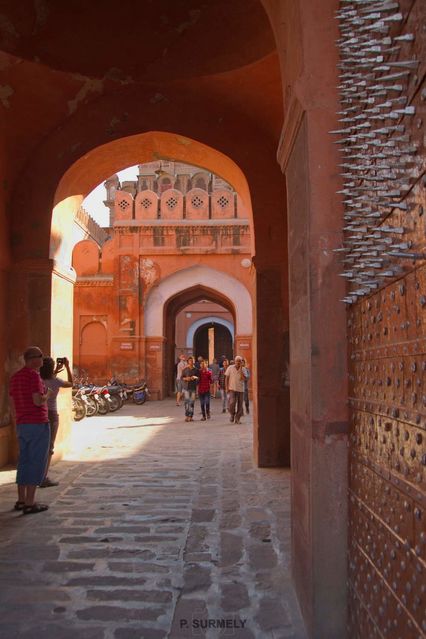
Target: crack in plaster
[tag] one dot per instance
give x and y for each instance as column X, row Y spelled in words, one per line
column 7, row 29
column 158, row 97
column 7, row 61
column 89, row 86
column 42, row 13
column 194, row 16
column 115, row 74
column 5, row 92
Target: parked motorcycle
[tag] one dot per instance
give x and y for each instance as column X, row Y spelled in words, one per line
column 139, row 393
column 79, row 404
column 92, row 401
column 103, row 400
column 117, row 396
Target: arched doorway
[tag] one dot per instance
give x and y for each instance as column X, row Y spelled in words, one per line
column 238, row 91
column 223, row 327
column 179, row 290
column 211, row 340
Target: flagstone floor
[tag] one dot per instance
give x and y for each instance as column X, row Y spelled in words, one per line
column 158, row 529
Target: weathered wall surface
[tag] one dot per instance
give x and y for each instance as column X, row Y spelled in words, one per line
column 317, row 320
column 124, row 293
column 6, row 433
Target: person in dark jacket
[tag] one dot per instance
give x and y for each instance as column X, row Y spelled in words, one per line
column 190, row 376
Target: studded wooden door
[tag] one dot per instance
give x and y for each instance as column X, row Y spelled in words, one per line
column 383, row 98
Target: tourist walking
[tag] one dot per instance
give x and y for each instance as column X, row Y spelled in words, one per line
column 179, row 383
column 28, row 401
column 48, row 373
column 190, row 376
column 221, row 384
column 204, row 389
column 215, row 369
column 234, row 385
column 246, row 372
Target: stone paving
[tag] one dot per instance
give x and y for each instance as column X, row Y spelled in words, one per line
column 158, row 529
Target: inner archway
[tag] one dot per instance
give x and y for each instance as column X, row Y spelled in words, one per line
column 211, row 340
column 185, row 298
column 242, row 116
column 212, row 320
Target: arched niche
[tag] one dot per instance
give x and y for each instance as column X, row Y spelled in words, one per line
column 93, row 351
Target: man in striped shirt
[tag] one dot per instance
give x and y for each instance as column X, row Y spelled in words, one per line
column 28, row 399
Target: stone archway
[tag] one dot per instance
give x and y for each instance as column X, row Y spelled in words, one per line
column 223, row 343
column 175, row 305
column 202, row 277
column 181, row 289
column 92, row 100
column 206, row 320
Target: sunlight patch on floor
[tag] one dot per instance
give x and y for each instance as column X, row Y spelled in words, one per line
column 7, row 476
column 121, row 439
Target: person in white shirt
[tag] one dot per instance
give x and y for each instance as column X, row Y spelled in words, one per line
column 234, row 386
column 179, row 382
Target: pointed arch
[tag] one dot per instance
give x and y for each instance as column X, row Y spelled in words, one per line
column 207, row 320
column 224, row 284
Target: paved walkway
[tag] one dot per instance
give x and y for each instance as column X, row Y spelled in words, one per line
column 158, row 529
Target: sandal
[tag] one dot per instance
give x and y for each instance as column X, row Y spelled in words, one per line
column 19, row 505
column 35, row 508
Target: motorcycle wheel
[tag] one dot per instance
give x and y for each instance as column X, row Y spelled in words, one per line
column 115, row 402
column 91, row 406
column 140, row 398
column 103, row 406
column 79, row 409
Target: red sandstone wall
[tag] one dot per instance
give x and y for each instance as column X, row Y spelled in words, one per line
column 86, row 123
column 117, row 303
column 5, row 429
column 317, row 331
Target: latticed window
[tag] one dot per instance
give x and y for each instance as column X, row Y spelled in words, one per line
column 146, row 203
column 197, row 202
column 158, row 235
column 223, row 201
column 172, row 202
column 123, row 204
column 183, row 238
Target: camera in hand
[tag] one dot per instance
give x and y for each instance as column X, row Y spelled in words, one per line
column 60, row 361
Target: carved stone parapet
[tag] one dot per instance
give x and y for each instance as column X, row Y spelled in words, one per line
column 88, row 280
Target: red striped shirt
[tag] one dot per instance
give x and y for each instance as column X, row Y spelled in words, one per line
column 22, row 386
